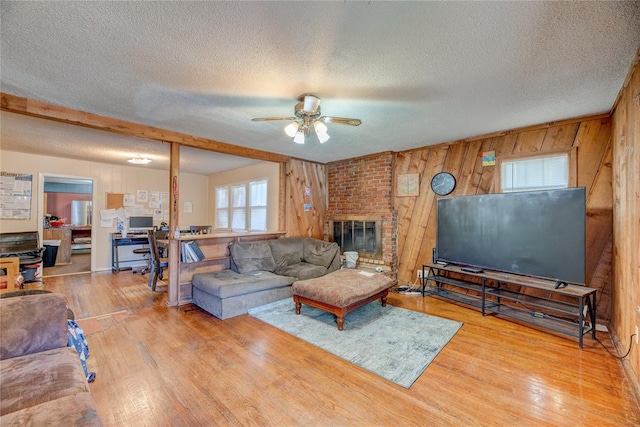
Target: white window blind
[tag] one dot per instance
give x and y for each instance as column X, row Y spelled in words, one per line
column 242, row 206
column 238, row 207
column 222, row 207
column 537, row 173
column 258, row 205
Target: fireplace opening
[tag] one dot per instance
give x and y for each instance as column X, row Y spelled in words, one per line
column 362, row 236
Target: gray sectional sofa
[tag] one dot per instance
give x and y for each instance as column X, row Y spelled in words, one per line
column 41, row 379
column 262, row 272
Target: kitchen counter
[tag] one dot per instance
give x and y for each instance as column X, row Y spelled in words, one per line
column 64, row 250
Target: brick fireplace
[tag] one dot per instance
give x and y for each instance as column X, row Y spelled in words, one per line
column 360, row 209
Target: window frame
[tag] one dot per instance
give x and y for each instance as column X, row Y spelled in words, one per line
column 572, row 153
column 247, row 205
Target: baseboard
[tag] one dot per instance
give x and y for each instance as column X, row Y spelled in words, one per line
column 627, row 369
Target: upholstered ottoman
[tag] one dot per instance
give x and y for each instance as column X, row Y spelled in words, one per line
column 341, row 292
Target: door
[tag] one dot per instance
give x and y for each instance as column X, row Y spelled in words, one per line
column 68, row 199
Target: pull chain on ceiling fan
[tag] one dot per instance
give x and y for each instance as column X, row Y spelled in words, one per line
column 307, row 115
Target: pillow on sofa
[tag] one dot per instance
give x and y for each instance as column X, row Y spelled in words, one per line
column 287, row 251
column 319, row 252
column 252, row 256
column 32, row 323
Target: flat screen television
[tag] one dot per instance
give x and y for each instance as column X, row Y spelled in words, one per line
column 533, row 233
column 140, row 223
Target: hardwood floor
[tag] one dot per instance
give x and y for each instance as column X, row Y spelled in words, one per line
column 80, row 263
column 183, row 367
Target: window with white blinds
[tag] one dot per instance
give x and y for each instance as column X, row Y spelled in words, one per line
column 242, row 206
column 258, row 205
column 222, row 207
column 535, row 173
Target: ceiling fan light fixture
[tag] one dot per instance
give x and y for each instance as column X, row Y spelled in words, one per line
column 311, row 103
column 299, row 138
column 307, row 114
column 321, row 131
column 323, row 137
column 137, row 160
column 291, row 129
column 320, row 127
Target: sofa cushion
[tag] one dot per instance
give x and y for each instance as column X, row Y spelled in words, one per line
column 287, row 251
column 252, row 256
column 302, row 270
column 319, row 252
column 32, row 323
column 74, row 410
column 38, row 378
column 228, row 283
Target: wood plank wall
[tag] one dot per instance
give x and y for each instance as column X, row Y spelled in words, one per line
column 298, row 175
column 591, row 136
column 626, row 220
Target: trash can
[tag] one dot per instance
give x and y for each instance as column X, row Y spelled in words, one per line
column 350, row 259
column 50, row 252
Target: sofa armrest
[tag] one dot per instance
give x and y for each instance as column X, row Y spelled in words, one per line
column 32, row 323
column 336, row 262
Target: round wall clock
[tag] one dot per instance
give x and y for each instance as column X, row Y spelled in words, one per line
column 443, row 183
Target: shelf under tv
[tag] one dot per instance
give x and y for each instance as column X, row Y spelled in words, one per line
column 570, row 310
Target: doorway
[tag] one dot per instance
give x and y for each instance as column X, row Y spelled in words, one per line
column 66, row 209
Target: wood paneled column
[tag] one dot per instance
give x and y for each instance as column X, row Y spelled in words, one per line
column 174, row 226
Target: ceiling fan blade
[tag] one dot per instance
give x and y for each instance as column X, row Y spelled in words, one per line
column 265, row 119
column 341, row 121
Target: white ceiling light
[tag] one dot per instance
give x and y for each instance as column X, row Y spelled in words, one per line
column 299, row 138
column 291, row 129
column 323, row 137
column 137, row 160
column 321, row 131
column 301, row 128
column 320, row 127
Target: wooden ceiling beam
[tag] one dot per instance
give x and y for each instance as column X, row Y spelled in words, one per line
column 44, row 110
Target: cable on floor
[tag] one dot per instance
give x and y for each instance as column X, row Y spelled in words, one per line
column 619, row 357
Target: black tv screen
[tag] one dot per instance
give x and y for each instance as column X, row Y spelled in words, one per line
column 534, row 233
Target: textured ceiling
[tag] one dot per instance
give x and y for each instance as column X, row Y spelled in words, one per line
column 32, row 135
column 415, row 73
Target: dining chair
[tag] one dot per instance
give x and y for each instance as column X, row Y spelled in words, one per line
column 157, row 263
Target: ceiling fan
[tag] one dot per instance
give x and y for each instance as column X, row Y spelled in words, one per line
column 307, row 115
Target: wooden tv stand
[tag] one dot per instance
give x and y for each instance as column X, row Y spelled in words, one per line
column 570, row 309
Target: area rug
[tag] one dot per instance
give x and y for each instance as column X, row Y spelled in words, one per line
column 392, row 342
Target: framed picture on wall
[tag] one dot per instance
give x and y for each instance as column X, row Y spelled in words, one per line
column 408, row 185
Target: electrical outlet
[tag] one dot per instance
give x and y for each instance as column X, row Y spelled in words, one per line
column 636, row 334
column 419, row 274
